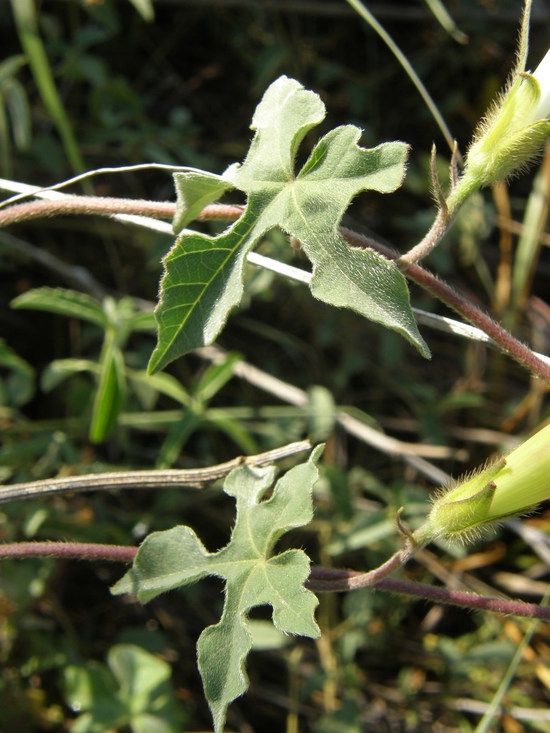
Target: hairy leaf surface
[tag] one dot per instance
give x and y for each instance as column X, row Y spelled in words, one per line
column 254, row 577
column 203, row 277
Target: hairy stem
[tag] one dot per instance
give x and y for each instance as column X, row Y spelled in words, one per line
column 471, row 313
column 326, row 579
column 440, row 290
column 321, row 579
column 98, row 205
column 441, row 224
column 107, row 206
column 462, row 189
column 71, row 550
column 464, row 599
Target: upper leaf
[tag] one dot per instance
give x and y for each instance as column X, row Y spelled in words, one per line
column 176, row 557
column 203, row 276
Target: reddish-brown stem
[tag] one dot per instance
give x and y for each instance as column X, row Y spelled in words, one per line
column 321, row 580
column 106, row 206
column 71, row 550
column 430, row 241
column 327, row 580
column 443, row 292
column 98, row 205
column 165, row 210
column 339, row 580
column 464, row 599
column 220, row 211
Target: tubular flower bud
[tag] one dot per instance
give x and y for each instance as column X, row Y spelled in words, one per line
column 507, row 487
column 514, row 130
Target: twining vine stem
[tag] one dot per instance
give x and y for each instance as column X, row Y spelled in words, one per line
column 443, row 292
column 320, row 580
column 72, row 205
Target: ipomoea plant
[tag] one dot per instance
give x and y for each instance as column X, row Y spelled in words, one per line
column 514, row 130
column 504, row 488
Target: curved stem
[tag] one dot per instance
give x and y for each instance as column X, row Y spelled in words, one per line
column 440, row 290
column 441, row 224
column 360, row 8
column 326, row 579
column 443, row 292
column 462, row 189
column 321, row 579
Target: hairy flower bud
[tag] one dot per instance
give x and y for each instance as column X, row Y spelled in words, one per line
column 514, row 130
column 507, row 487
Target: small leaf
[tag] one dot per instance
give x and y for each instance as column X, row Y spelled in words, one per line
column 138, row 673
column 265, row 637
column 215, row 378
column 156, row 384
column 235, row 429
column 10, row 66
column 58, row 370
column 20, row 115
column 134, row 690
column 178, row 434
column 203, row 277
column 142, row 321
column 65, row 302
column 145, row 9
column 195, row 190
column 91, row 689
column 321, row 412
column 254, row 577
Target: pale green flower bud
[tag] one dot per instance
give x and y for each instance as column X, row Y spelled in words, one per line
column 514, row 130
column 505, row 488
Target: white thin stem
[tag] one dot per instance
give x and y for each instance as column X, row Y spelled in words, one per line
column 432, row 320
column 185, row 478
column 437, row 322
column 23, row 190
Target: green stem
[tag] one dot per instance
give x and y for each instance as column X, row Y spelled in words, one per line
column 369, row 18
column 25, row 17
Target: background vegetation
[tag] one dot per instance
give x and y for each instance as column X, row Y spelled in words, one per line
column 181, row 89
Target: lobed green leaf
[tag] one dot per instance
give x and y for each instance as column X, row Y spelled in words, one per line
column 203, row 278
column 176, row 557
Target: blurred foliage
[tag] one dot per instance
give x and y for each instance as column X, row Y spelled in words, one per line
column 180, row 89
